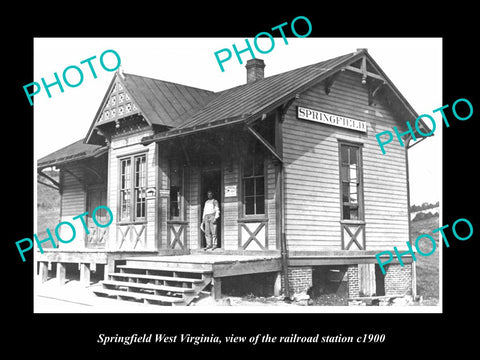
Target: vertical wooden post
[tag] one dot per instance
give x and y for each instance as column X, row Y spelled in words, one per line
column 85, row 274
column 105, row 272
column 108, row 268
column 414, row 279
column 278, row 205
column 216, row 288
column 277, row 286
column 61, row 272
column 43, row 271
column 366, row 279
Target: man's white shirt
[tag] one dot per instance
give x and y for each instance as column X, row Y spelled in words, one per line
column 211, row 207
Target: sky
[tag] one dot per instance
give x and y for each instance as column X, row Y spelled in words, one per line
column 414, row 65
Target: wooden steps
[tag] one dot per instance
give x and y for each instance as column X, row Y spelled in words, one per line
column 138, row 296
column 149, row 266
column 131, row 285
column 154, row 277
column 156, row 281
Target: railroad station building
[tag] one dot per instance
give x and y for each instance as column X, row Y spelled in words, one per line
column 306, row 195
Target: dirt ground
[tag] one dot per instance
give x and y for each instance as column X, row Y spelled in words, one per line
column 74, row 297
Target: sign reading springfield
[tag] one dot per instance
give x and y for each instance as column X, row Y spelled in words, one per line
column 330, row 119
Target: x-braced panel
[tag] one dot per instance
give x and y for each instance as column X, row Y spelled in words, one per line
column 176, row 236
column 353, row 234
column 131, row 236
column 253, row 235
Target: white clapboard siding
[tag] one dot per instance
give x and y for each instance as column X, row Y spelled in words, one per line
column 193, row 207
column 73, row 203
column 312, row 188
column 270, row 207
column 230, row 210
column 73, row 200
column 162, row 170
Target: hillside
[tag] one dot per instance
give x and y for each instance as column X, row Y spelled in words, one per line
column 427, row 266
column 424, row 206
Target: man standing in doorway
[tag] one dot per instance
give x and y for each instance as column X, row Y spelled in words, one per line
column 211, row 213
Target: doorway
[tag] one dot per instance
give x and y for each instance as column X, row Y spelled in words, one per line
column 211, row 179
column 96, row 238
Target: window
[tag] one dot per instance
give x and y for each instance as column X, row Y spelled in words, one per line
column 254, row 184
column 133, row 180
column 125, row 189
column 351, row 182
column 140, row 186
column 176, row 191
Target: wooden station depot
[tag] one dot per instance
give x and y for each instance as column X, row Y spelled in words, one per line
column 292, row 159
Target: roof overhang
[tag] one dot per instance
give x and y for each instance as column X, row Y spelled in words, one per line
column 75, row 156
column 167, row 135
column 394, row 90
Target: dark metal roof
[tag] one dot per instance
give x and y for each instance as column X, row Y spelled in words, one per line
column 249, row 101
column 76, row 151
column 252, row 99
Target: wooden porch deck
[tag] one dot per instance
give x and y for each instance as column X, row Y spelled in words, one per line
column 220, row 265
column 177, row 280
